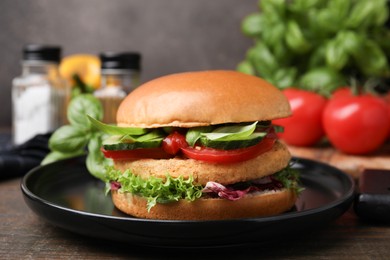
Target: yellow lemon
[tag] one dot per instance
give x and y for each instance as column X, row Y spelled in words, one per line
column 86, row 66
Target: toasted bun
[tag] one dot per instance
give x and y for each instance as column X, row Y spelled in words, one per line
column 253, row 205
column 263, row 165
column 202, row 98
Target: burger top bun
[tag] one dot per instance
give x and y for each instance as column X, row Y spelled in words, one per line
column 202, row 98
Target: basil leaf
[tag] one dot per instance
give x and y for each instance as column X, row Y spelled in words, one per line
column 68, row 139
column 336, row 56
column 234, row 132
column 82, row 105
column 252, row 25
column 295, row 38
column 153, row 135
column 364, row 12
column 263, row 60
column 193, row 134
column 115, row 130
column 323, row 80
column 246, row 67
column 305, row 5
column 56, row 156
column 285, row 77
column 371, row 59
column 96, row 162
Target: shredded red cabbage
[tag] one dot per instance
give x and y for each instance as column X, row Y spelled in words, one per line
column 115, row 185
column 237, row 191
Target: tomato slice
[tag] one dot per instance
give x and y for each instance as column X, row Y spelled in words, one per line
column 230, row 156
column 142, row 153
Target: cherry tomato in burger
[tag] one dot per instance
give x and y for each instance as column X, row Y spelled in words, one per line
column 356, row 124
column 173, row 143
column 304, row 127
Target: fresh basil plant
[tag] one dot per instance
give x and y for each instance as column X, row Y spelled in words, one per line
column 298, row 40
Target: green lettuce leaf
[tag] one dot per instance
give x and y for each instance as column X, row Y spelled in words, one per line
column 155, row 190
column 289, row 177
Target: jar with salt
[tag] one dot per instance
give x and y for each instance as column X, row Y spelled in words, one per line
column 39, row 95
column 120, row 75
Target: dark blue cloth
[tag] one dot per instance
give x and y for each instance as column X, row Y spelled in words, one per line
column 15, row 161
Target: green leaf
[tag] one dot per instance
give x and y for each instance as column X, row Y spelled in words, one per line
column 302, row 6
column 336, row 56
column 252, row 25
column 96, row 162
column 371, row 59
column 115, row 130
column 281, row 53
column 246, row 67
column 193, row 134
column 295, row 39
column 233, row 132
column 56, row 156
column 273, row 7
column 285, row 77
column 68, row 139
column 276, row 35
column 317, row 58
column 350, row 41
column 322, row 80
column 81, row 106
column 153, row 135
column 289, row 177
column 366, row 13
column 262, row 59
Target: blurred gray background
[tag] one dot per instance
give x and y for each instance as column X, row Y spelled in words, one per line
column 171, row 35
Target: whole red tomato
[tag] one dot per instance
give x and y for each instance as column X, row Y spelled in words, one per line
column 356, row 124
column 342, row 92
column 387, row 99
column 304, row 127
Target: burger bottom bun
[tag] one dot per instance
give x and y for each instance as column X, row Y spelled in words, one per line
column 253, row 205
column 263, row 165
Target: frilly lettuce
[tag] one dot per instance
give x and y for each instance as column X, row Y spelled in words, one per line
column 155, row 190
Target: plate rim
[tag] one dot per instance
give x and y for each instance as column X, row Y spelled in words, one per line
column 288, row 215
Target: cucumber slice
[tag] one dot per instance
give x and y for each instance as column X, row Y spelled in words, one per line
column 131, row 146
column 251, row 140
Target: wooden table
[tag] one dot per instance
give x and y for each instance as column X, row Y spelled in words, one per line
column 351, row 164
column 23, row 235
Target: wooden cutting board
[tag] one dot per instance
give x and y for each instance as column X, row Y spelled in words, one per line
column 351, row 164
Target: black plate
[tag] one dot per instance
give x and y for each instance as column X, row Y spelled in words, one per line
column 66, row 195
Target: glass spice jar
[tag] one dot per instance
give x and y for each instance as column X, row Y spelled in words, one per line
column 39, row 94
column 120, row 74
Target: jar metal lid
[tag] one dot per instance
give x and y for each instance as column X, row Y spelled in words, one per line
column 37, row 52
column 120, row 60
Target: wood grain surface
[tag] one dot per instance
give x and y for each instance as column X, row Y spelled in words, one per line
column 23, row 235
column 351, row 164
